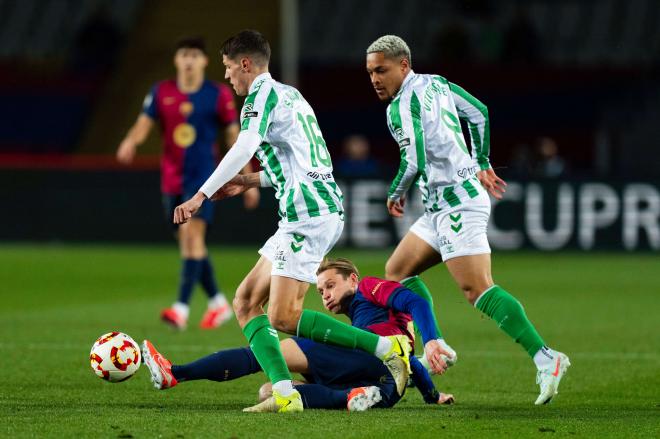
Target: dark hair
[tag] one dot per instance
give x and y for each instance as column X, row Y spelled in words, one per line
column 247, row 42
column 191, row 43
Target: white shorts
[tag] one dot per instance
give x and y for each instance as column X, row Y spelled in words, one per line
column 297, row 249
column 457, row 231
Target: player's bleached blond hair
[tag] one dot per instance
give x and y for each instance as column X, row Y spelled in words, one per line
column 392, row 47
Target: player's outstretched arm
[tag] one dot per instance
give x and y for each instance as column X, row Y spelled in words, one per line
column 235, row 159
column 135, row 137
column 407, row 301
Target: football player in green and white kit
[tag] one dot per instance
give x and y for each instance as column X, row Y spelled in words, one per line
column 423, row 117
column 279, row 126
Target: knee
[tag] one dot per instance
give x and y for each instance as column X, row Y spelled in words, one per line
column 242, row 306
column 472, row 290
column 284, row 318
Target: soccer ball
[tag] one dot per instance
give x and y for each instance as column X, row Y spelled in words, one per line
column 115, row 357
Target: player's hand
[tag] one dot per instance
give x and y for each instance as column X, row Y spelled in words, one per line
column 446, row 398
column 185, row 211
column 395, row 208
column 493, row 184
column 233, row 187
column 434, row 353
column 126, row 152
column 251, row 198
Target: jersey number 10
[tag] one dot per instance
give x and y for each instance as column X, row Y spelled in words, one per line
column 317, row 148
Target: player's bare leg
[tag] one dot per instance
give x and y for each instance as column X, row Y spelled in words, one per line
column 473, row 276
column 412, row 257
column 286, row 303
column 252, row 293
column 251, row 296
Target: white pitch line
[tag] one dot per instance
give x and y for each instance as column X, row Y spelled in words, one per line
column 647, row 356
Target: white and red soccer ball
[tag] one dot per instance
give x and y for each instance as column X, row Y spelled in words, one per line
column 115, row 357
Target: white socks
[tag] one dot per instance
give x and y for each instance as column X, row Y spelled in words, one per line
column 218, row 301
column 544, row 357
column 284, row 387
column 383, row 347
column 182, row 309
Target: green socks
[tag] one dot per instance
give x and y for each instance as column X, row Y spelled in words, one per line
column 510, row 316
column 265, row 345
column 325, row 329
column 417, row 286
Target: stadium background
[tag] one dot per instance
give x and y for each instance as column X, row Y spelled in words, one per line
column 573, row 91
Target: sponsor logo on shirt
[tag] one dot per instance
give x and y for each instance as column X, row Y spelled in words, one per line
column 248, row 110
column 318, row 176
column 399, row 134
column 467, row 172
column 373, row 292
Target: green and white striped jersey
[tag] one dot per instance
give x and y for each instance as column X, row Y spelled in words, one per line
column 423, row 118
column 293, row 153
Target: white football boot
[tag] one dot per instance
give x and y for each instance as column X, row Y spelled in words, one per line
column 548, row 377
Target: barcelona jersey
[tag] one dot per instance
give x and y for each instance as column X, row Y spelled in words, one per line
column 371, row 309
column 189, row 125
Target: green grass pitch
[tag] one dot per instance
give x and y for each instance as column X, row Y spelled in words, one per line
column 601, row 309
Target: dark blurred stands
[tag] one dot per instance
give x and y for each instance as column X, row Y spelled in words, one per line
column 54, row 57
column 582, row 72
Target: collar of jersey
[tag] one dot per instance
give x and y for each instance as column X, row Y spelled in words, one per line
column 405, row 82
column 258, row 79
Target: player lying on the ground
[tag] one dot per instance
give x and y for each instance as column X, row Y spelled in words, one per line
column 340, row 377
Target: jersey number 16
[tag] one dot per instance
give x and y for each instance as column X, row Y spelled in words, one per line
column 317, row 148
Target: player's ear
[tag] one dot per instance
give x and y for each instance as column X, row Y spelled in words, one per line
column 246, row 63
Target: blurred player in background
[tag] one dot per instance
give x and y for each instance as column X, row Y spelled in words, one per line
column 336, row 377
column 190, row 110
column 423, row 117
column 280, row 126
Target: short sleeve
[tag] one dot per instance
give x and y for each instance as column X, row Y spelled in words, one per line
column 225, row 106
column 149, row 105
column 257, row 112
